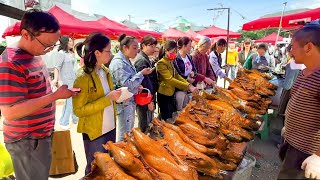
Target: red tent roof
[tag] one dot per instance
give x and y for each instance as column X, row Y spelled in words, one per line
column 172, row 33
column 70, row 25
column 270, row 39
column 154, row 34
column 288, row 21
column 214, row 31
column 195, row 36
column 117, row 28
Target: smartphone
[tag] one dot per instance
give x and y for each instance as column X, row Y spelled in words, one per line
column 76, row 90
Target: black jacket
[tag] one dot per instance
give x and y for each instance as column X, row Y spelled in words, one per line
column 180, row 67
column 150, row 81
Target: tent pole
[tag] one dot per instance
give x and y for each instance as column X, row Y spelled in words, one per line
column 280, row 25
column 228, row 27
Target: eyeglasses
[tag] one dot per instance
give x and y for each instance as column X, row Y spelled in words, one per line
column 46, row 47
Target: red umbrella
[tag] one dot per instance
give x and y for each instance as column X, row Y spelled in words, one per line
column 270, row 39
column 117, row 28
column 172, row 33
column 288, row 21
column 214, row 31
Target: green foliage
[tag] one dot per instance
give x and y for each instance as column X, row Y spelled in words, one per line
column 254, row 35
column 3, row 43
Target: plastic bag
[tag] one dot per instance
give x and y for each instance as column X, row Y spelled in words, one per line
column 6, row 166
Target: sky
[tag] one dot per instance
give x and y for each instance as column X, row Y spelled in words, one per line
column 164, row 11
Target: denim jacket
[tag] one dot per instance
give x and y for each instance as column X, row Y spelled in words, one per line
column 124, row 74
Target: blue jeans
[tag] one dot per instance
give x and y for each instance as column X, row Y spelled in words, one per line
column 95, row 145
column 125, row 118
column 233, row 71
column 67, row 112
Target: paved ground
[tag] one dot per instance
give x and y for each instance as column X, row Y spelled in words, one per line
column 265, row 152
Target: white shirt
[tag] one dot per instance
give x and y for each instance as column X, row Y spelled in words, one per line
column 187, row 65
column 108, row 123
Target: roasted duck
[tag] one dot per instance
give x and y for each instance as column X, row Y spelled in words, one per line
column 104, row 168
column 194, row 131
column 159, row 158
column 127, row 161
column 190, row 155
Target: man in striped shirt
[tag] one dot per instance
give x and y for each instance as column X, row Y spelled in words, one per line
column 301, row 151
column 26, row 100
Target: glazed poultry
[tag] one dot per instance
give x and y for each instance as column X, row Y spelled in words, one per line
column 186, row 139
column 127, row 145
column 242, row 105
column 245, row 95
column 127, row 161
column 104, row 168
column 159, row 157
column 202, row 136
column 267, row 77
column 234, row 152
column 190, row 155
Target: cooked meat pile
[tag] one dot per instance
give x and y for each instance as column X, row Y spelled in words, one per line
column 208, row 136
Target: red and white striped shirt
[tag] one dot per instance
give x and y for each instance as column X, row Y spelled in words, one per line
column 22, row 77
column 303, row 114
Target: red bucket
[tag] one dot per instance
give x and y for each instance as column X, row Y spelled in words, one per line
column 143, row 98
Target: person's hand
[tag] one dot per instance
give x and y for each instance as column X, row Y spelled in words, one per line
column 140, row 88
column 283, row 130
column 190, row 79
column 114, row 95
column 193, row 89
column 146, row 71
column 209, row 81
column 64, row 93
column 54, row 82
column 151, row 106
column 228, row 79
column 311, row 165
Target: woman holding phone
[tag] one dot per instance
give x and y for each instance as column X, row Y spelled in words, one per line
column 94, row 104
column 124, row 74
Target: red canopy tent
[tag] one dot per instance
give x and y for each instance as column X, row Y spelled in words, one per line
column 154, row 34
column 70, row 25
column 289, row 21
column 270, row 39
column 195, row 36
column 172, row 33
column 117, row 28
column 214, row 31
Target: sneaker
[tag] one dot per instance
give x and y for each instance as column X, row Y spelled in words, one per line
column 67, row 127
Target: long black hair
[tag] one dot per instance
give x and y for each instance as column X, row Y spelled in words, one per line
column 95, row 41
column 183, row 42
column 220, row 42
column 168, row 45
column 125, row 40
column 64, row 41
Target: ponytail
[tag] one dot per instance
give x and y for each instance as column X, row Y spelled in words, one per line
column 162, row 52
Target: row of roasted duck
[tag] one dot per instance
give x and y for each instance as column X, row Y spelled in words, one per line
column 207, row 136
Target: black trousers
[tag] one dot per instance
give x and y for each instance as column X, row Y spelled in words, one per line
column 145, row 116
column 292, row 160
column 167, row 106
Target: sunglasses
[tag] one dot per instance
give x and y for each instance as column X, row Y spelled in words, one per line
column 46, row 47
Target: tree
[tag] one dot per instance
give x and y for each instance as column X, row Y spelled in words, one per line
column 254, row 35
